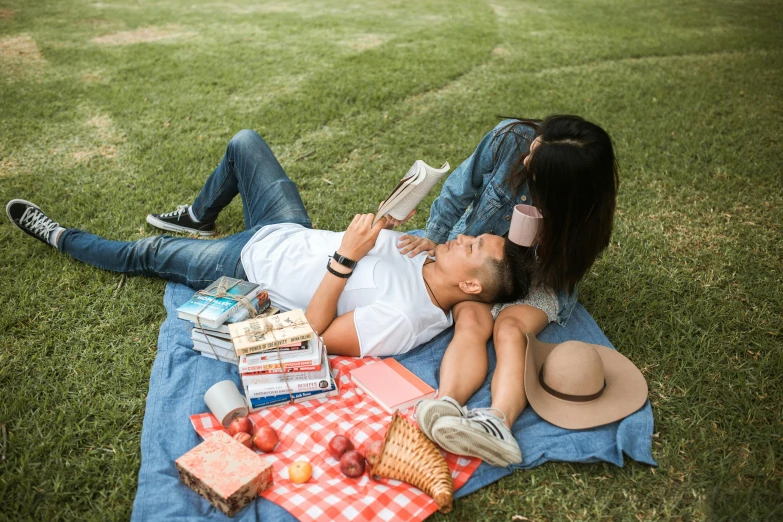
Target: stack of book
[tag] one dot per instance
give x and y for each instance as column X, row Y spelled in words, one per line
column 281, row 359
column 211, row 315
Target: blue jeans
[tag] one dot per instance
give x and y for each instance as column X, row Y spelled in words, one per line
column 248, row 168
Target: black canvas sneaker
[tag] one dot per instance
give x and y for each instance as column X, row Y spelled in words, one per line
column 180, row 221
column 31, row 219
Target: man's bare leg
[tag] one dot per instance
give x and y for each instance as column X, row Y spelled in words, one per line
column 464, row 365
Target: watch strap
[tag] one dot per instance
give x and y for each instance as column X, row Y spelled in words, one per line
column 335, row 272
column 347, row 263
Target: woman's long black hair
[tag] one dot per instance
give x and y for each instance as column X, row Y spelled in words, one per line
column 573, row 181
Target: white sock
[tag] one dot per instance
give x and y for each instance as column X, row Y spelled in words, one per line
column 55, row 235
column 190, row 213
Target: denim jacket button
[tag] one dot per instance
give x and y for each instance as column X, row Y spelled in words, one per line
column 508, row 218
column 491, row 231
column 524, row 198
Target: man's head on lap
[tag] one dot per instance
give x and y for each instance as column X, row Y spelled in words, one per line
column 486, row 268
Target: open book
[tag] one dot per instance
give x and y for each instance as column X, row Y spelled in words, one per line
column 411, row 190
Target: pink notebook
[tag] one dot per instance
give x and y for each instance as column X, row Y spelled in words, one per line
column 391, row 385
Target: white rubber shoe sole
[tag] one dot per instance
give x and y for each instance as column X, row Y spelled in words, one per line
column 430, row 410
column 474, row 437
column 163, row 225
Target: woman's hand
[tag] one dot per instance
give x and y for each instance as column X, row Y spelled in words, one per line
column 414, row 245
column 360, row 236
column 391, row 222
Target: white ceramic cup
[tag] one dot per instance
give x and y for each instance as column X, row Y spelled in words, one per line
column 225, row 402
column 525, row 224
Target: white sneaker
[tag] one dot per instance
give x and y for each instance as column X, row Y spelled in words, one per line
column 430, row 410
column 480, row 434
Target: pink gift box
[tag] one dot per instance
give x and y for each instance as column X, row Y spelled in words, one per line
column 225, row 472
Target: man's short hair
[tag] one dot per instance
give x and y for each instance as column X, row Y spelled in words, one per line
column 508, row 279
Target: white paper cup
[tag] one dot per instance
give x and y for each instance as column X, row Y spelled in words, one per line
column 524, row 225
column 225, row 402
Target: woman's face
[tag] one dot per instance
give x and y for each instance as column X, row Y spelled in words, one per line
column 533, row 147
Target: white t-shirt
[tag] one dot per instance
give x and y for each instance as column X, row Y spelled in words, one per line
column 393, row 312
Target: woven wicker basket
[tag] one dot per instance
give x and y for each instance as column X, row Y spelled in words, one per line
column 408, row 455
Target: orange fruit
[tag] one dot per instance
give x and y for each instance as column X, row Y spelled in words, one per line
column 300, row 472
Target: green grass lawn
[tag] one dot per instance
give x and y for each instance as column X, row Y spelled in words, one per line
column 112, row 109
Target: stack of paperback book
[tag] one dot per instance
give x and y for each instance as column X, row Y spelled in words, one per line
column 211, row 315
column 281, row 360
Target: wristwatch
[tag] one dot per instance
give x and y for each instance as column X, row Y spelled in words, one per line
column 335, row 272
column 347, row 263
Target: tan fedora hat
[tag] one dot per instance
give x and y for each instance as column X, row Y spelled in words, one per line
column 578, row 385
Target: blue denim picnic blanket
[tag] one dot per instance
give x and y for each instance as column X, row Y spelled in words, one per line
column 180, row 377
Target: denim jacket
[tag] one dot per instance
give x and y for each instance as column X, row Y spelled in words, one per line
column 476, row 198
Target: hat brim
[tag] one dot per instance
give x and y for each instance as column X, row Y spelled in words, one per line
column 625, row 392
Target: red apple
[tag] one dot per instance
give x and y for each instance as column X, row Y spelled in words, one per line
column 244, row 438
column 373, row 452
column 352, row 464
column 266, row 439
column 339, row 445
column 240, row 425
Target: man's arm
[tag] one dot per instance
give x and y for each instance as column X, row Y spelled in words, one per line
column 358, row 239
column 341, row 338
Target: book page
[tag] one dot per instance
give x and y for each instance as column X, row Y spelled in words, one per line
column 406, row 199
column 417, row 192
column 404, row 182
column 399, row 191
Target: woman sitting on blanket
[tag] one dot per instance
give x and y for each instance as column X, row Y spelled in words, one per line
column 566, row 167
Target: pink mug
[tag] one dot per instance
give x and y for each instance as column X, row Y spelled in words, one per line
column 524, row 225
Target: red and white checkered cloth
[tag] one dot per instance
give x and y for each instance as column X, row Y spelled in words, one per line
column 305, row 430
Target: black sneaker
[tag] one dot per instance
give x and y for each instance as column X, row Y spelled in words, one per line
column 31, row 219
column 180, row 221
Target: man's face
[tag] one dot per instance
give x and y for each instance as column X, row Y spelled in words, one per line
column 465, row 256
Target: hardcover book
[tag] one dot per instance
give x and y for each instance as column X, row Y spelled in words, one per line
column 257, row 386
column 332, row 392
column 264, row 309
column 262, row 334
column 286, row 369
column 297, row 397
column 220, row 358
column 208, row 310
column 210, row 332
column 212, row 340
column 308, row 359
column 391, row 385
column 215, row 352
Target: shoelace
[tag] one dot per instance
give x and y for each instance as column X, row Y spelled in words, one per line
column 181, row 209
column 486, row 414
column 38, row 222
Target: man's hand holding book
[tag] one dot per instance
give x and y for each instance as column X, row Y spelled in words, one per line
column 360, row 237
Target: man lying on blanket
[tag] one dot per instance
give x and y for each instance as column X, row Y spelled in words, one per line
column 360, row 293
